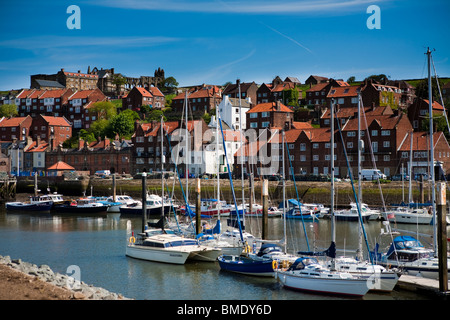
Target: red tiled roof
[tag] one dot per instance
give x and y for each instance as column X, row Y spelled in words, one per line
column 82, row 94
column 60, row 165
column 421, row 141
column 156, row 92
column 52, row 93
column 40, row 148
column 318, row 87
column 269, row 107
column 436, row 105
column 385, row 122
column 56, row 121
column 25, row 93
column 144, row 92
column 301, row 125
column 319, row 134
column 12, row 122
column 84, row 75
column 284, row 86
column 347, row 91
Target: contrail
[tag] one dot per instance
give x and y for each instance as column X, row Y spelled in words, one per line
column 287, row 37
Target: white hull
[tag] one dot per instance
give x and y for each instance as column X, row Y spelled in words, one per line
column 425, row 267
column 412, row 218
column 205, row 254
column 156, row 254
column 379, row 278
column 342, row 286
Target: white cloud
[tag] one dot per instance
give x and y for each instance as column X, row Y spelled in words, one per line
column 46, row 42
column 243, row 7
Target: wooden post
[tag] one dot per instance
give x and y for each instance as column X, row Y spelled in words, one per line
column 198, row 211
column 442, row 236
column 265, row 217
column 114, row 186
column 144, row 200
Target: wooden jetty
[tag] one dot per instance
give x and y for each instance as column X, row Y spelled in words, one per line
column 8, row 188
column 422, row 285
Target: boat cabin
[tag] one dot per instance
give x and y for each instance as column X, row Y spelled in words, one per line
column 407, row 248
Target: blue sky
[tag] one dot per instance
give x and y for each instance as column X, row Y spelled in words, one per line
column 217, row 41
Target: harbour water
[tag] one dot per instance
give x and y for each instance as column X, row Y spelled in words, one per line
column 95, row 244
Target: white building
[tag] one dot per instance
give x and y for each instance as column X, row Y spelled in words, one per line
column 232, row 111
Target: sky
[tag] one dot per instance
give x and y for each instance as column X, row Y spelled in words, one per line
column 217, row 41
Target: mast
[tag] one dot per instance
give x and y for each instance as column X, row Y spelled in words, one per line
column 284, row 196
column 433, row 182
column 410, row 169
column 187, row 148
column 359, row 175
column 162, row 168
column 333, row 222
column 218, row 162
column 242, row 154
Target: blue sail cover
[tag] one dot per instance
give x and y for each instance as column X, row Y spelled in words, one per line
column 404, row 242
column 330, row 252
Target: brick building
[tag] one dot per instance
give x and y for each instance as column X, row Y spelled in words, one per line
column 46, row 102
column 138, row 97
column 248, row 90
column 200, row 99
column 270, row 115
column 15, row 128
column 54, row 130
column 419, row 111
column 69, row 80
column 76, row 110
column 98, row 155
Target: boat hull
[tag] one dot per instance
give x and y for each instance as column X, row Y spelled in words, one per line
column 260, row 268
column 80, row 210
column 20, row 206
column 156, row 211
column 157, row 255
column 347, row 287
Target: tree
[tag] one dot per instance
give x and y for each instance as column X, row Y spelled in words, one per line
column 422, row 89
column 380, row 78
column 290, row 97
column 103, row 110
column 168, row 85
column 123, row 124
column 8, row 110
column 351, row 79
column 155, row 115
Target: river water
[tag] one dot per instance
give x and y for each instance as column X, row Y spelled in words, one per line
column 96, row 246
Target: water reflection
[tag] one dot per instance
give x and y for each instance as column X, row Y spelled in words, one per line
column 97, row 243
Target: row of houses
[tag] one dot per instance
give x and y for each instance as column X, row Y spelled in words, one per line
column 253, row 117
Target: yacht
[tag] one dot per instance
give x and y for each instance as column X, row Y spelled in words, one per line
column 162, row 245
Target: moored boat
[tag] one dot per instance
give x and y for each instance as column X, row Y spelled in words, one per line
column 82, row 205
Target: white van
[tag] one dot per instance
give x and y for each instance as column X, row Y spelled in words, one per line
column 372, row 174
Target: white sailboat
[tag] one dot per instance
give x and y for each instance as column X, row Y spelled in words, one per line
column 307, row 274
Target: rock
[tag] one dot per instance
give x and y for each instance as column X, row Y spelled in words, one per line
column 78, row 296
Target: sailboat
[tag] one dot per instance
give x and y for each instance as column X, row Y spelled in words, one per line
column 406, row 252
column 306, row 274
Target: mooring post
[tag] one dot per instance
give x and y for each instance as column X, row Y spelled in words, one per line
column 144, row 200
column 265, row 217
column 198, row 211
column 442, row 236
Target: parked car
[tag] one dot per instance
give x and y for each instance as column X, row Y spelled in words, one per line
column 425, row 176
column 400, row 177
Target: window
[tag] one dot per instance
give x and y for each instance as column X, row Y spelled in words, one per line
column 374, row 133
column 265, row 114
column 316, row 157
column 386, row 144
column 302, row 158
column 253, row 124
column 253, row 115
column 387, row 157
column 351, row 134
column 315, row 146
column 302, row 146
column 349, row 145
column 265, row 124
column 385, row 132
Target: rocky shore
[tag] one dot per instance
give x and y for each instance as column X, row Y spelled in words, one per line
column 21, row 280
